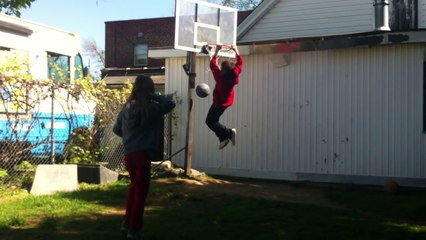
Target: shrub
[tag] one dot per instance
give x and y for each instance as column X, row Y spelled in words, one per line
column 24, row 166
column 80, row 147
column 3, row 175
column 25, row 177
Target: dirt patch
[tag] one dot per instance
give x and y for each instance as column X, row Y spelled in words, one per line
column 251, row 188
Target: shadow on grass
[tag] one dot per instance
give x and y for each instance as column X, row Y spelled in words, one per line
column 189, row 214
column 224, row 217
column 230, row 217
column 408, row 205
column 102, row 227
column 107, row 195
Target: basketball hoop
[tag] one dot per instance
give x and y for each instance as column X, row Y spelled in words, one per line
column 225, row 51
column 200, row 23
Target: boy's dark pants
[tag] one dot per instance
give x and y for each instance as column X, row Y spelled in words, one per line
column 212, row 121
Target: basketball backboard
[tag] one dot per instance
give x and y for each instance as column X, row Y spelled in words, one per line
column 199, row 23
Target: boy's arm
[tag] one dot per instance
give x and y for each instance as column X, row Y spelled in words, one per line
column 218, row 47
column 235, row 48
column 213, row 63
column 239, row 64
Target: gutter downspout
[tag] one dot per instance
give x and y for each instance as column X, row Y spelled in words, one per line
column 381, row 15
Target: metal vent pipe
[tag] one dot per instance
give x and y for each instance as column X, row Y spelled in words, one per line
column 381, row 13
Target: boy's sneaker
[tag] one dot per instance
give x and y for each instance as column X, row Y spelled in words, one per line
column 223, row 143
column 233, row 136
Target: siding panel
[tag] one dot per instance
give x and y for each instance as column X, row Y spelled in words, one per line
column 309, row 18
column 349, row 112
column 422, row 13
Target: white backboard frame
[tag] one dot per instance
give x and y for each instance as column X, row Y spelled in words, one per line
column 192, row 16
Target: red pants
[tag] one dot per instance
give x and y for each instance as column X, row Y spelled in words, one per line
column 138, row 165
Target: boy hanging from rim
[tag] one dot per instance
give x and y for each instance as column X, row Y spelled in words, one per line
column 226, row 77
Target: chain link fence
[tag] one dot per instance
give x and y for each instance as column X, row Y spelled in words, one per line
column 41, row 146
column 61, row 128
column 113, row 151
column 59, row 121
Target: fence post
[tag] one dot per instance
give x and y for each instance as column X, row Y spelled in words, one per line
column 52, row 123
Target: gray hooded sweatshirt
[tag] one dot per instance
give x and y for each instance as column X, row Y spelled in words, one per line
column 143, row 136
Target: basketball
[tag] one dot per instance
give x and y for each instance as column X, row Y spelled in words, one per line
column 202, row 90
column 391, row 187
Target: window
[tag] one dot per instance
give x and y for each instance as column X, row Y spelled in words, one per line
column 141, row 54
column 58, row 67
column 13, row 99
column 78, row 67
column 13, row 94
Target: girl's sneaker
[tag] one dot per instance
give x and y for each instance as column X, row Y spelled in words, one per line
column 123, row 230
column 134, row 236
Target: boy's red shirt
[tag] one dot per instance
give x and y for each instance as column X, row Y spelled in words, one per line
column 223, row 93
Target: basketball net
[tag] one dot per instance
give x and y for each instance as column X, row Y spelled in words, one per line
column 225, row 51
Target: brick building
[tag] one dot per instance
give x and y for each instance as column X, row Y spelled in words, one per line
column 128, row 42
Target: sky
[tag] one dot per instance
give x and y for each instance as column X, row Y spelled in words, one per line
column 87, row 18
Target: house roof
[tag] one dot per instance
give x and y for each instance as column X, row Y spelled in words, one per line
column 276, row 26
column 8, row 26
column 119, row 80
column 255, row 16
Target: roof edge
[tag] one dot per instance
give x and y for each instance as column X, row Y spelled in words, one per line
column 255, row 16
column 338, row 42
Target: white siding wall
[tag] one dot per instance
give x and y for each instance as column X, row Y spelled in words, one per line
column 312, row 18
column 43, row 39
column 353, row 112
column 422, row 13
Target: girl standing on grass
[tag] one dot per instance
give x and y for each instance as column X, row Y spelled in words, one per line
column 226, row 77
column 139, row 124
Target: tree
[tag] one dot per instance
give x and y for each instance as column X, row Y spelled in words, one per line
column 239, row 4
column 12, row 7
column 97, row 56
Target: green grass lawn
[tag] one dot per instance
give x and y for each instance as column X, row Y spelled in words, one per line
column 175, row 212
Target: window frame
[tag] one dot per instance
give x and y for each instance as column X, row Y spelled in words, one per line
column 50, row 71
column 79, row 70
column 140, row 56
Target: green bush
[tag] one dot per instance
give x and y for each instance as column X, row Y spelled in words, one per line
column 24, row 166
column 81, row 147
column 3, row 175
column 16, row 221
column 25, row 178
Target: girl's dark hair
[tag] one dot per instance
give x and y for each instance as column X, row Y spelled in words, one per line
column 227, row 69
column 140, row 96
